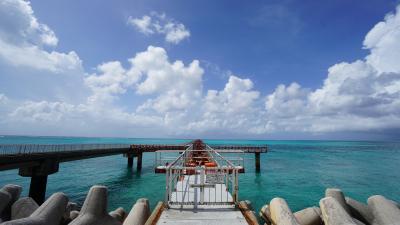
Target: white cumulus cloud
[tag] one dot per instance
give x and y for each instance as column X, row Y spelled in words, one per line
column 156, row 23
column 22, row 38
column 29, row 61
column 233, row 109
column 361, row 96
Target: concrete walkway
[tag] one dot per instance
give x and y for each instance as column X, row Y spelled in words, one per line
column 219, row 213
column 204, row 215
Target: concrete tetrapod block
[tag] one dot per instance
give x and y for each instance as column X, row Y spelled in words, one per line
column 248, row 213
column 360, row 211
column 73, row 206
column 66, row 217
column 281, row 213
column 23, row 208
column 119, row 214
column 15, row 192
column 309, row 216
column 73, row 214
column 94, row 209
column 249, row 204
column 339, row 196
column 265, row 214
column 385, row 211
column 139, row 213
column 333, row 213
column 5, row 199
column 49, row 213
column 395, row 203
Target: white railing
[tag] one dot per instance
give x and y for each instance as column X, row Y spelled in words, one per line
column 163, row 158
column 199, row 184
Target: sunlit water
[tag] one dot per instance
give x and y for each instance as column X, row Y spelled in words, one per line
column 298, row 171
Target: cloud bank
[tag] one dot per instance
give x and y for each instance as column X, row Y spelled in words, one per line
column 359, row 96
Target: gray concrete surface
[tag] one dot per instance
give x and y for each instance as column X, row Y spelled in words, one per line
column 94, row 209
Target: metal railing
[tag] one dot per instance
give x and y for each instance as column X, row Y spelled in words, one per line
column 243, row 147
column 201, row 185
column 166, row 157
column 226, row 161
column 18, row 149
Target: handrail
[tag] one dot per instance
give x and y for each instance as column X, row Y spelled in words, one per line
column 215, row 152
column 180, row 156
column 178, row 174
column 18, row 149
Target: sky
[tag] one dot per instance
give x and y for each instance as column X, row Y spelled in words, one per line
column 206, row 69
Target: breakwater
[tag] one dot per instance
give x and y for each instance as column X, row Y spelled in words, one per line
column 334, row 209
column 58, row 210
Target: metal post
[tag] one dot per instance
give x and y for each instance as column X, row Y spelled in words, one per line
column 202, row 175
column 233, row 186
column 236, row 186
column 170, row 184
column 167, row 187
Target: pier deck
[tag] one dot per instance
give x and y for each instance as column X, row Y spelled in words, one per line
column 186, row 194
column 205, row 214
column 202, row 188
column 210, row 211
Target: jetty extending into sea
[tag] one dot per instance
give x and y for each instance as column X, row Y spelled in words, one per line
column 202, row 187
column 38, row 161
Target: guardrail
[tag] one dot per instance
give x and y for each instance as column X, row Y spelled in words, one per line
column 190, row 184
column 244, row 147
column 165, row 157
column 18, row 149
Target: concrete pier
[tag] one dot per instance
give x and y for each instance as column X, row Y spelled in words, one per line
column 40, row 161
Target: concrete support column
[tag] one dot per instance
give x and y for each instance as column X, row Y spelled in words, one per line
column 38, row 174
column 130, row 161
column 37, row 189
column 139, row 160
column 257, row 159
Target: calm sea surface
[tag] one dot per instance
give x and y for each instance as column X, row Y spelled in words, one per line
column 298, row 171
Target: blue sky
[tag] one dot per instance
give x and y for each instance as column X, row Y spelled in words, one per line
column 264, row 69
column 271, row 42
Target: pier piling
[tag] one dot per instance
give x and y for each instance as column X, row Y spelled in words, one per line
column 257, row 160
column 139, row 160
column 130, row 162
column 38, row 174
column 37, row 188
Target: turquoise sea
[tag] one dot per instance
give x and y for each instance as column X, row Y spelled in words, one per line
column 298, row 171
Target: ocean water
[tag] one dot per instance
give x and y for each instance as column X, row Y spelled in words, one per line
column 298, row 171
